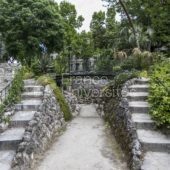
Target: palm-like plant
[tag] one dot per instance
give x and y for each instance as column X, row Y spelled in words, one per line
column 144, row 37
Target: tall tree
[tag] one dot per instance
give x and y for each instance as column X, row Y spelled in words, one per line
column 98, row 29
column 130, row 22
column 152, row 16
column 111, row 28
column 28, row 27
column 72, row 22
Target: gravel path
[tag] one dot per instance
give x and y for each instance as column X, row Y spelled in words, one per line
column 87, row 144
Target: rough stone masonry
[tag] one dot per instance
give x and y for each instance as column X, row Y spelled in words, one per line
column 48, row 120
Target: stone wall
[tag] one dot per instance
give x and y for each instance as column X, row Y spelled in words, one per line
column 73, row 103
column 7, row 71
column 88, row 90
column 47, row 123
column 117, row 114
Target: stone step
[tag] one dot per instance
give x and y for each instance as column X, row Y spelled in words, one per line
column 142, row 81
column 30, row 82
column 139, row 88
column 137, row 96
column 156, row 161
column 155, row 141
column 32, row 95
column 143, row 121
column 28, row 105
column 10, row 139
column 33, row 88
column 22, row 118
column 138, row 107
column 6, row 158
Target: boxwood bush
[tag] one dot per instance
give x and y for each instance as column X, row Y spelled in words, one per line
column 159, row 97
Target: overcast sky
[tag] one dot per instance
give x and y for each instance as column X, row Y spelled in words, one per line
column 86, row 8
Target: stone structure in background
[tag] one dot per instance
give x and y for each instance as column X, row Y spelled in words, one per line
column 7, row 71
column 78, row 65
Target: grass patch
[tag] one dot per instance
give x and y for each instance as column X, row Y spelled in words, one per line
column 46, row 80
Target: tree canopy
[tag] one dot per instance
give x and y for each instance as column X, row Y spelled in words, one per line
column 25, row 25
column 151, row 16
column 33, row 27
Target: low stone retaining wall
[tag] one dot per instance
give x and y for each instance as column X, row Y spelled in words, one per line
column 72, row 102
column 47, row 122
column 117, row 114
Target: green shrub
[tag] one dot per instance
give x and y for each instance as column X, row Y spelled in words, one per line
column 117, row 68
column 28, row 74
column 14, row 93
column 41, row 65
column 141, row 60
column 159, row 97
column 143, row 73
column 120, row 79
column 104, row 62
column 45, row 80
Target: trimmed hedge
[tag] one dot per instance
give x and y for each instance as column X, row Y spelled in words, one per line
column 159, row 97
column 14, row 94
column 45, row 80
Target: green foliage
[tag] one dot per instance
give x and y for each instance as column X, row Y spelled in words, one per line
column 14, row 93
column 69, row 14
column 140, row 60
column 159, row 97
column 117, row 68
column 41, row 65
column 120, row 79
column 151, row 16
column 104, row 62
column 61, row 63
column 143, row 74
column 71, row 23
column 98, row 29
column 28, row 74
column 27, row 24
column 45, row 80
column 83, row 45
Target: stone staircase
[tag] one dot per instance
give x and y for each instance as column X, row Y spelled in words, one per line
column 155, row 144
column 24, row 112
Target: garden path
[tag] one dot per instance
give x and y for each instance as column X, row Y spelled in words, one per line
column 87, row 144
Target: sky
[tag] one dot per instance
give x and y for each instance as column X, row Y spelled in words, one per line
column 86, row 8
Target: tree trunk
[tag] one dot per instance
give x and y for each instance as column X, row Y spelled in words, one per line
column 130, row 22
